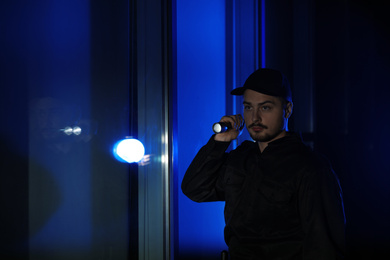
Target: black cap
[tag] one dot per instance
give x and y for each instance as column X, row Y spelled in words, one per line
column 266, row 81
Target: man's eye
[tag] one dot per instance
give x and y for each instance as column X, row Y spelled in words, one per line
column 247, row 107
column 265, row 108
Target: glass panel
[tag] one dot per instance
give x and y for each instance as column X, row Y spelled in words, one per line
column 155, row 177
column 65, row 73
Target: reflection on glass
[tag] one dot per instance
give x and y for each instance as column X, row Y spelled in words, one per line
column 60, row 210
column 59, row 125
column 129, row 150
column 67, row 130
column 76, row 130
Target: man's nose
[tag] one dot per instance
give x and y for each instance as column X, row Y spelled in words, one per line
column 256, row 116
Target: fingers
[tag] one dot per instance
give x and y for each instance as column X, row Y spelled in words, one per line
column 236, row 121
column 237, row 124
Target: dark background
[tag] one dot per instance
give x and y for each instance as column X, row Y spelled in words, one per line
column 349, row 72
column 350, row 68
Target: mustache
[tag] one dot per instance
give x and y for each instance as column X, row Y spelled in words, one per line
column 257, row 124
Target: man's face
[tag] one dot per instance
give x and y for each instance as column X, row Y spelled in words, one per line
column 265, row 116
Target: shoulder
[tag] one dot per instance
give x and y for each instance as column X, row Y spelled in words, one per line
column 318, row 161
column 311, row 163
column 319, row 170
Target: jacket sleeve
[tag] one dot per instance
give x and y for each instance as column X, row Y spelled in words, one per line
column 203, row 180
column 322, row 216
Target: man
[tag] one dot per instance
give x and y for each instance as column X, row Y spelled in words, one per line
column 282, row 201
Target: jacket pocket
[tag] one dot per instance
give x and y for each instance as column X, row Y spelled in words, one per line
column 275, row 192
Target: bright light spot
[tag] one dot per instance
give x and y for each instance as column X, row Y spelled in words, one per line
column 76, row 130
column 129, row 150
column 68, row 130
column 164, row 159
column 217, row 128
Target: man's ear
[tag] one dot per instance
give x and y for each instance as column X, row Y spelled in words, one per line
column 289, row 109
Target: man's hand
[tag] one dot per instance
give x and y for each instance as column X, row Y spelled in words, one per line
column 237, row 123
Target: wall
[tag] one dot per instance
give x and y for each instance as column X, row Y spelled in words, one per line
column 200, row 102
column 352, row 90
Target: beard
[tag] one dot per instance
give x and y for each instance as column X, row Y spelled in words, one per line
column 265, row 137
column 268, row 134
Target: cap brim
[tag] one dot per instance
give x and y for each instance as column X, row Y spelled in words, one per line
column 238, row 91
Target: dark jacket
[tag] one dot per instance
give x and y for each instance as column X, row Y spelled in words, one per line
column 283, row 203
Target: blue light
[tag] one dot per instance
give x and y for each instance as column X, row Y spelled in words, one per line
column 129, row 150
column 263, row 65
column 201, row 29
